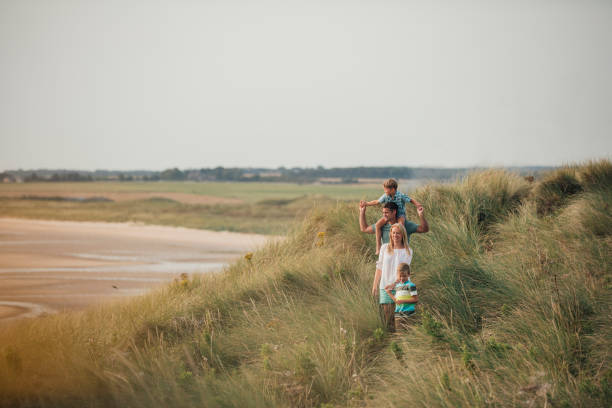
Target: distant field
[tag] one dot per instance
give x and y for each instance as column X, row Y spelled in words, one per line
column 266, row 208
column 247, row 192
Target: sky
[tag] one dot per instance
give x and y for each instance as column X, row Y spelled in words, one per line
column 146, row 84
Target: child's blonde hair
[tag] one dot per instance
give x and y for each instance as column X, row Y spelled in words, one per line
column 403, row 267
column 391, row 183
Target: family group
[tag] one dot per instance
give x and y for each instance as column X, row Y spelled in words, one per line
column 392, row 284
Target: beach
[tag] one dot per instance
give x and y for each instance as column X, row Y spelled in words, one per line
column 50, row 266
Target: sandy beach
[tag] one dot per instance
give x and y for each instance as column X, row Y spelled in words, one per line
column 50, row 266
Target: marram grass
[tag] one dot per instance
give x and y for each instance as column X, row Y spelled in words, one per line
column 514, row 311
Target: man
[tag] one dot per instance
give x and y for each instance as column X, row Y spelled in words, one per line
column 389, row 212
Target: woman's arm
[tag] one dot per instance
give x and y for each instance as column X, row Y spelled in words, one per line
column 390, row 293
column 376, row 281
column 378, row 274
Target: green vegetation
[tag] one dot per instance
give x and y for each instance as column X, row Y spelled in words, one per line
column 344, row 175
column 247, row 192
column 265, row 208
column 264, row 218
column 515, row 305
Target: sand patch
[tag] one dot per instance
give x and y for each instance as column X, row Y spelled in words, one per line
column 15, row 310
column 49, row 266
column 7, row 312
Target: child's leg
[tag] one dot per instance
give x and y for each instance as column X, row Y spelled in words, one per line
column 401, row 220
column 398, row 322
column 403, row 321
column 379, row 225
column 388, row 310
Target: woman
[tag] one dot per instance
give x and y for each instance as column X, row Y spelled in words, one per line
column 391, row 255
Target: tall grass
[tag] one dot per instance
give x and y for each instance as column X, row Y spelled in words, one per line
column 514, row 310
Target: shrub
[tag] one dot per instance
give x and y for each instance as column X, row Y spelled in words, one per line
column 595, row 174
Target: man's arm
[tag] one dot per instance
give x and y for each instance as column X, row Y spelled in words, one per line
column 423, row 225
column 363, row 223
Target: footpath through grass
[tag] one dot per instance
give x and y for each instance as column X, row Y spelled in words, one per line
column 515, row 303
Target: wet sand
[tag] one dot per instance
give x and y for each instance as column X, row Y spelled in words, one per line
column 50, row 266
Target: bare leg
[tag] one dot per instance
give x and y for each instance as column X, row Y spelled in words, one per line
column 401, row 220
column 403, row 322
column 388, row 312
column 379, row 225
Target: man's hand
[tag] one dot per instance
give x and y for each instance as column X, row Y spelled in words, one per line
column 362, row 204
column 423, row 226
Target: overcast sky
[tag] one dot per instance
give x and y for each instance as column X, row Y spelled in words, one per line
column 150, row 84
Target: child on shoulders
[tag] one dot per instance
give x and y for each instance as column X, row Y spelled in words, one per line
column 391, row 195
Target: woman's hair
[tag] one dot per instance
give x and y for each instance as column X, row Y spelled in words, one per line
column 403, row 267
column 391, row 247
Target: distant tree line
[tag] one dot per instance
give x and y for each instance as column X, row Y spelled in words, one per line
column 281, row 174
column 58, row 177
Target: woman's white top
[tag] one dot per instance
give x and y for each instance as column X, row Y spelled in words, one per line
column 388, row 262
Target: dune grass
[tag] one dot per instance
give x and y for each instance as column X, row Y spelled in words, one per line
column 514, row 310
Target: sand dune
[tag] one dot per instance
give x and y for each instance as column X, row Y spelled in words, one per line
column 49, row 266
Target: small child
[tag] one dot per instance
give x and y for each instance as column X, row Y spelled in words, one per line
column 391, row 195
column 404, row 294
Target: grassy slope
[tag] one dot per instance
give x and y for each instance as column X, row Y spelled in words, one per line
column 515, row 307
